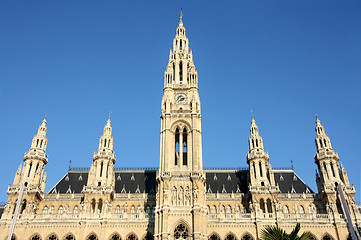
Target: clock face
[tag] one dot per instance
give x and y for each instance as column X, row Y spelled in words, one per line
column 181, row 98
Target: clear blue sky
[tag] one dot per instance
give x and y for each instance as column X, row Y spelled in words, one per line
column 78, row 60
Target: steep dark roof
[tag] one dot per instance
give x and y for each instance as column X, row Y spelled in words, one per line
column 222, row 181
column 131, row 181
column 226, row 181
column 289, row 181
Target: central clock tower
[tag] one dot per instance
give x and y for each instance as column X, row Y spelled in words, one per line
column 181, row 211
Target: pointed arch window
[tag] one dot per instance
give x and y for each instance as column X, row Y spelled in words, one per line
column 92, row 237
column 229, row 212
column 176, row 157
column 147, row 211
column 23, row 207
column 93, row 206
column 36, row 237
column 76, row 211
column 100, row 205
column 69, row 237
column 185, row 143
column 132, row 212
column 31, row 164
column 181, row 232
column 181, row 72
column 115, row 237
column 52, row 237
column 260, row 168
column 132, row 237
column 247, row 237
column 214, row 237
column 230, row 237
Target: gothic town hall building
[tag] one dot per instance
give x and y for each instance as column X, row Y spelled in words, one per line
column 180, row 200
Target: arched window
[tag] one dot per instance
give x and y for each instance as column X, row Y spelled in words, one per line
column 338, row 206
column 149, row 236
column 302, row 212
column 117, row 211
column 208, row 211
column 76, row 211
column 176, row 157
column 115, row 237
column 100, row 205
column 93, row 206
column 101, row 167
column 52, row 237
column 132, row 237
column 60, row 211
column 229, row 212
column 327, row 237
column 237, row 210
column 36, row 237
column 181, row 72
column 52, row 210
column 260, row 169
column 333, row 171
column 230, row 237
column 139, row 210
column 185, row 160
column 214, row 212
column 181, row 232
column 310, row 210
column 286, row 211
column 45, row 210
column 214, row 237
column 222, row 211
column 92, row 237
column 269, row 205
column 324, row 166
column 69, row 237
column 31, row 164
column 132, row 212
column 147, row 211
column 262, row 206
column 247, row 237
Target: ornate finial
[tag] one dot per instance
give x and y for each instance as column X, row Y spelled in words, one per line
column 46, row 115
column 69, row 165
column 316, row 116
column 180, row 15
column 252, row 114
column 110, row 112
column 292, row 164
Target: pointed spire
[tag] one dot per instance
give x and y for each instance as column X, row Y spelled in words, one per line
column 181, row 15
column 322, row 140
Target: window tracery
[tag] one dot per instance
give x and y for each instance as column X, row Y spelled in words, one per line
column 69, row 237
column 132, row 237
column 181, row 232
column 92, row 237
column 214, row 237
column 115, row 237
column 230, row 237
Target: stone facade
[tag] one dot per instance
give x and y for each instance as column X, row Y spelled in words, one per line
column 181, row 199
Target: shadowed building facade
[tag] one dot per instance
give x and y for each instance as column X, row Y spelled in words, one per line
column 180, row 199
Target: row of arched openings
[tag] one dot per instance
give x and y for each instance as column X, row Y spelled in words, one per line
column 180, row 232
column 230, row 237
column 92, row 236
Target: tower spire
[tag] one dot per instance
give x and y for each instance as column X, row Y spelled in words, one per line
column 180, row 70
column 181, row 15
